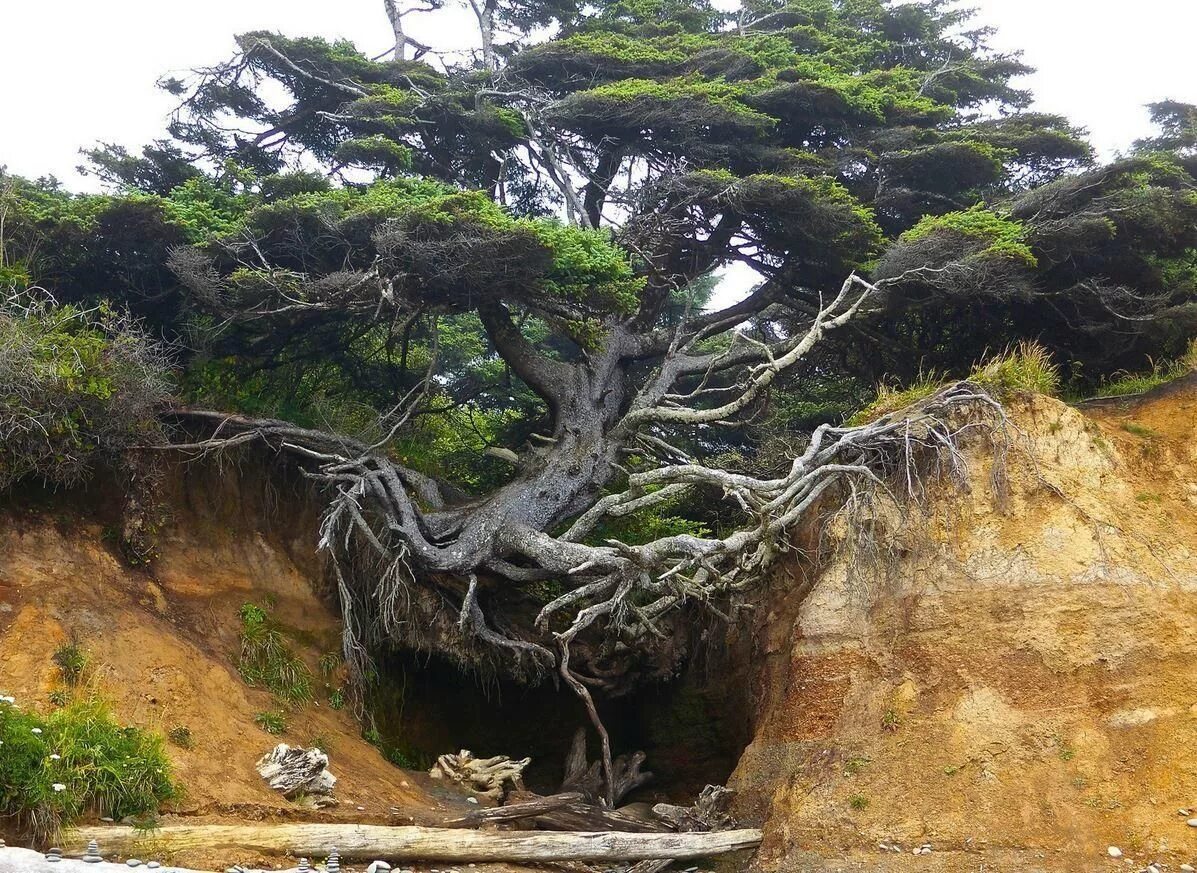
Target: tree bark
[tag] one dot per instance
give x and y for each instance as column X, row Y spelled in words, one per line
column 367, row 842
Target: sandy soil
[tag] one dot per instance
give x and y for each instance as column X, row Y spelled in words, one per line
column 1021, row 691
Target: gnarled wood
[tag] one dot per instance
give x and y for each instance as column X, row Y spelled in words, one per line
column 366, row 842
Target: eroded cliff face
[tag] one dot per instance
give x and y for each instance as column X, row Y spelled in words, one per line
column 1020, row 690
column 164, row 645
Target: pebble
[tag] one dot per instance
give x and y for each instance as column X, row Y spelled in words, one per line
column 1188, row 868
column 132, row 862
column 471, row 800
column 54, row 855
column 1114, row 852
column 378, row 867
column 1192, row 822
column 1183, row 812
column 153, row 865
column 92, row 855
column 303, row 866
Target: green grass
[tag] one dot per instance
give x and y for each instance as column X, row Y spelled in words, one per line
column 267, row 660
column 1026, row 368
column 858, row 802
column 78, row 760
column 890, row 399
column 1126, row 384
column 72, row 661
column 272, row 721
column 1139, row 430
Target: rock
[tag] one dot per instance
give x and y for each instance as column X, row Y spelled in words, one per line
column 1192, row 822
column 54, row 855
column 378, row 867
column 471, row 800
column 92, row 855
column 303, row 867
column 296, row 771
column 1114, row 852
column 132, row 862
column 1188, row 868
column 1183, row 812
column 153, row 865
column 333, row 864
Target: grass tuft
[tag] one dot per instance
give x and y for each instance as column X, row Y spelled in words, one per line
column 267, row 660
column 272, row 721
column 72, row 660
column 1026, row 368
column 1126, row 384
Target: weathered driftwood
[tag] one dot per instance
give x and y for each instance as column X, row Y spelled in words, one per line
column 293, row 771
column 626, row 775
column 568, row 811
column 522, row 809
column 486, row 776
column 709, row 813
column 366, row 842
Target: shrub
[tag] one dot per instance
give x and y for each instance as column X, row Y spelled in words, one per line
column 80, row 387
column 77, row 760
column 72, row 661
column 266, row 659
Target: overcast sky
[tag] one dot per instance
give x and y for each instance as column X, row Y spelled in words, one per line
column 73, row 72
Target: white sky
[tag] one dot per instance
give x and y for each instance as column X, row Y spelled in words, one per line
column 73, row 72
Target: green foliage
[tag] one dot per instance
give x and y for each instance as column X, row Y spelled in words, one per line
column 999, row 236
column 273, row 721
column 267, row 659
column 77, row 760
column 80, row 387
column 890, row 399
column 858, row 802
column 71, row 660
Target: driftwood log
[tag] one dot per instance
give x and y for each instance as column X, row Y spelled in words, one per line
column 367, row 842
column 568, row 811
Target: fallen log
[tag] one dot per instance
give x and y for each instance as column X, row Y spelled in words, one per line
column 367, row 842
column 515, row 811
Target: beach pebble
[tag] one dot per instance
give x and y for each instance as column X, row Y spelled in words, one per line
column 1114, row 852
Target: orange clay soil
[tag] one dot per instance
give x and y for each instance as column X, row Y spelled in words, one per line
column 1020, row 690
column 163, row 648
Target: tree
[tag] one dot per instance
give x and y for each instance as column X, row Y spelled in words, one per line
column 520, row 248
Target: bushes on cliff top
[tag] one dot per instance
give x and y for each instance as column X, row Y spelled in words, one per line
column 77, row 387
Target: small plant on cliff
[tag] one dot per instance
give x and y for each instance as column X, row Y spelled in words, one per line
column 267, row 660
column 71, row 660
column 77, row 760
column 272, row 721
column 890, row 720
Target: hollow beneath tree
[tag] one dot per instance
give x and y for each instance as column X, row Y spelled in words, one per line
column 692, row 729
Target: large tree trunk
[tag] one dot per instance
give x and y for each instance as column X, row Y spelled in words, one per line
column 367, row 842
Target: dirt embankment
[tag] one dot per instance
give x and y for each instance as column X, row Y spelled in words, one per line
column 164, row 646
column 1021, row 692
